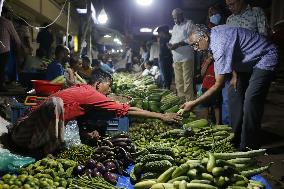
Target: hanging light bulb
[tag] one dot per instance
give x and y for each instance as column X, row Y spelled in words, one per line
column 103, row 18
column 144, row 2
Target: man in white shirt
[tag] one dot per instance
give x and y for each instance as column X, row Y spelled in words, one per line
column 183, row 56
column 154, row 52
column 151, row 70
column 128, row 59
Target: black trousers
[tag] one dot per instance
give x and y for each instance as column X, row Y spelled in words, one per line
column 4, row 58
column 166, row 68
column 246, row 106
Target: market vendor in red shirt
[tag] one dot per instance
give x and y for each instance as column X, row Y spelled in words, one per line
column 43, row 129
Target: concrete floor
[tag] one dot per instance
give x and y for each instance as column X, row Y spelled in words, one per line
column 273, row 133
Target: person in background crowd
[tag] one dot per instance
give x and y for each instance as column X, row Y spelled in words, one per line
column 154, row 51
column 129, row 59
column 70, row 45
column 56, row 68
column 110, row 63
column 35, row 63
column 215, row 16
column 86, row 70
column 144, row 54
column 105, row 66
column 183, row 56
column 94, row 53
column 254, row 19
column 165, row 57
column 7, row 34
column 151, row 70
column 37, row 133
column 45, row 40
column 245, row 16
column 212, row 105
column 240, row 50
column 70, row 73
column 25, row 35
column 96, row 64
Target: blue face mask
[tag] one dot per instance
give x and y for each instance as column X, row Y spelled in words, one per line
column 215, row 19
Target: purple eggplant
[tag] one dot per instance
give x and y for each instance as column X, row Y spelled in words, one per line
column 110, row 166
column 89, row 172
column 110, row 177
column 91, row 164
column 101, row 168
column 96, row 173
column 107, row 143
column 79, row 170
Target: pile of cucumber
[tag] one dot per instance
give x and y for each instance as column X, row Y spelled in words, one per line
column 218, row 170
column 152, row 161
column 194, row 143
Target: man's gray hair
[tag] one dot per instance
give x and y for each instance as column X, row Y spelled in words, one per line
column 200, row 30
column 177, row 11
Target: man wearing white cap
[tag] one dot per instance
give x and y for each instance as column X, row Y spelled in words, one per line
column 183, row 56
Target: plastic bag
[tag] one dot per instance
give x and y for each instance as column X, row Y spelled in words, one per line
column 9, row 163
column 71, row 134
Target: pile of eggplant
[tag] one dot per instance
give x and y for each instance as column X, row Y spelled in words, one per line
column 111, row 157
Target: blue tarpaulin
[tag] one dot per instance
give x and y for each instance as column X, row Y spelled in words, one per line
column 124, row 182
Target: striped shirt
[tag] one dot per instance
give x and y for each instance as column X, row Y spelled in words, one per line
column 7, row 33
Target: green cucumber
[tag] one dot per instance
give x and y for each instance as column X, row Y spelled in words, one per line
column 201, row 181
column 252, row 153
column 144, row 184
column 183, row 185
column 166, row 175
column 207, row 176
column 211, row 162
column 200, row 186
column 217, row 171
column 178, row 179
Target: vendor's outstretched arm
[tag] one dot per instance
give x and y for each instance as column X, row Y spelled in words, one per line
column 217, row 86
column 170, row 117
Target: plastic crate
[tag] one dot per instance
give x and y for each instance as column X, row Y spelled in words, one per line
column 17, row 111
column 118, row 125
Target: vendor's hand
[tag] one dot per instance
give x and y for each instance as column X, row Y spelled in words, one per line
column 171, row 117
column 187, row 106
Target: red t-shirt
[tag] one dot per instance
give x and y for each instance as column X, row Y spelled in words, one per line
column 209, row 77
column 78, row 96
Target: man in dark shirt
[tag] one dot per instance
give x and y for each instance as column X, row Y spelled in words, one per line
column 165, row 57
column 56, row 68
column 45, row 39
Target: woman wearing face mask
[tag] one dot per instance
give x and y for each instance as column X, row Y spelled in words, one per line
column 214, row 15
